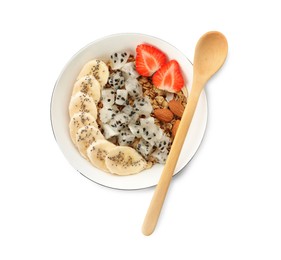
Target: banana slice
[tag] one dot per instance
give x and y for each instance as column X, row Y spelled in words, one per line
column 82, row 102
column 97, row 153
column 79, row 120
column 85, row 136
column 124, row 160
column 88, row 85
column 96, row 68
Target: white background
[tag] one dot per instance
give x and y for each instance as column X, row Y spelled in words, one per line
column 226, row 203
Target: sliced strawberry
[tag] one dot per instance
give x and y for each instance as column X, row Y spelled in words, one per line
column 149, row 59
column 169, row 77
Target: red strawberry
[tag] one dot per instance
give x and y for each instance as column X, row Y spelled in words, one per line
column 149, row 59
column 169, row 77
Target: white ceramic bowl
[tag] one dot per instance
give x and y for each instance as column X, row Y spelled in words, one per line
column 102, row 49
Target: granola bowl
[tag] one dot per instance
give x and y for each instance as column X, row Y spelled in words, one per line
column 103, row 49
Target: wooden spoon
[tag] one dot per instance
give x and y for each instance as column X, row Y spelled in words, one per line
column 210, row 54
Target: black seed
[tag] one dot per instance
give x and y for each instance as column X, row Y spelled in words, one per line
column 122, row 60
column 108, row 100
column 115, row 54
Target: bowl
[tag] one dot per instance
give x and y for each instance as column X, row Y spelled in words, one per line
column 101, row 49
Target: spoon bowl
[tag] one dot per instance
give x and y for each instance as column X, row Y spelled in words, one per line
column 210, row 54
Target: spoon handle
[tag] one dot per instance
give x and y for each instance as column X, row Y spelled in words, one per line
column 160, row 192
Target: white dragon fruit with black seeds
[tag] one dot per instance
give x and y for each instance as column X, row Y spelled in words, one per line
column 160, row 156
column 151, row 134
column 108, row 113
column 128, row 110
column 121, row 96
column 136, row 129
column 118, row 60
column 129, row 70
column 109, row 131
column 163, row 143
column 147, row 121
column 133, row 87
column 108, row 96
column 120, row 121
column 144, row 148
column 125, row 137
column 142, row 106
column 116, row 80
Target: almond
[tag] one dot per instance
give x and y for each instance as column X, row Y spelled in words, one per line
column 175, row 128
column 176, row 107
column 163, row 115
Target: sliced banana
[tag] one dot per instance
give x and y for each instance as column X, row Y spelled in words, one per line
column 82, row 102
column 88, row 85
column 85, row 136
column 97, row 153
column 79, row 120
column 123, row 160
column 96, row 68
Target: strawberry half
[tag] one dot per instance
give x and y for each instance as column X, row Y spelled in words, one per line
column 149, row 59
column 169, row 77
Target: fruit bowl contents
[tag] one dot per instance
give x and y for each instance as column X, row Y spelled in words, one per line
column 125, row 111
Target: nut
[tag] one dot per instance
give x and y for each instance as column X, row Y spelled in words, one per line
column 163, row 115
column 175, row 128
column 159, row 99
column 176, row 107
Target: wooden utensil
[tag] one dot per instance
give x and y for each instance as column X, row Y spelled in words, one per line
column 210, row 54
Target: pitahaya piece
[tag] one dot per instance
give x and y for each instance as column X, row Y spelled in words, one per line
column 147, row 121
column 136, row 129
column 163, row 143
column 152, row 134
column 108, row 113
column 118, row 60
column 121, row 96
column 128, row 110
column 142, row 106
column 108, row 96
column 144, row 148
column 120, row 121
column 109, row 131
column 160, row 156
column 133, row 87
column 129, row 70
column 116, row 80
column 169, row 96
column 125, row 137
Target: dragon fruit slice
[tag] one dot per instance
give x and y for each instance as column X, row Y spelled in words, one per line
column 160, row 156
column 108, row 113
column 163, row 143
column 142, row 106
column 129, row 70
column 108, row 96
column 136, row 129
column 152, row 134
column 120, row 121
column 109, row 131
column 118, row 60
column 133, row 87
column 144, row 148
column 128, row 110
column 116, row 80
column 147, row 121
column 125, row 137
column 121, row 96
